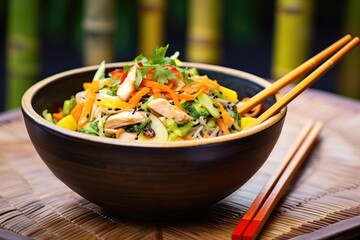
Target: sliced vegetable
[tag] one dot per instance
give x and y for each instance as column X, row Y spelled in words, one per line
column 228, row 120
column 100, row 73
column 90, row 95
column 68, row 105
column 76, row 111
column 245, row 121
column 195, row 109
column 206, row 101
column 113, row 103
column 91, row 128
column 138, row 95
column 48, row 116
column 68, row 122
column 118, row 74
column 222, row 126
column 159, row 129
column 58, row 116
column 229, row 94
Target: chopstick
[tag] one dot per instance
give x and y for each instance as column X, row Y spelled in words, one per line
column 293, row 75
column 259, row 211
column 304, row 84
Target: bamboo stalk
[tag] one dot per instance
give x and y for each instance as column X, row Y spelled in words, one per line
column 99, row 31
column 151, row 25
column 204, row 31
column 292, row 35
column 55, row 14
column 240, row 20
column 22, row 49
column 348, row 79
column 126, row 26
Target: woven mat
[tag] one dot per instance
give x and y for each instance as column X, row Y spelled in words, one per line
column 35, row 204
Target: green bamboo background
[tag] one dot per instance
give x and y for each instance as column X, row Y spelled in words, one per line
column 56, row 40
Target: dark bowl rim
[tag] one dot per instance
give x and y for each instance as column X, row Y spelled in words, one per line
column 28, row 110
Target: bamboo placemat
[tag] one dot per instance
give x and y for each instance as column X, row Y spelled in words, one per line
column 324, row 198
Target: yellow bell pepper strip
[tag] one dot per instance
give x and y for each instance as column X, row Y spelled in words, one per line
column 229, row 94
column 90, row 95
column 245, row 121
column 68, row 122
column 113, row 103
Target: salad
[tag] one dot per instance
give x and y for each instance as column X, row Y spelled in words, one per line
column 153, row 99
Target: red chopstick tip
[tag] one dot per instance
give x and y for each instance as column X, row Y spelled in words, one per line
column 252, row 231
column 240, row 229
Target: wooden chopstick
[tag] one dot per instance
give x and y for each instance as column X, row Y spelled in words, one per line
column 304, row 84
column 293, row 75
column 259, row 211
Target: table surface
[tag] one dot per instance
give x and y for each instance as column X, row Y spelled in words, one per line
column 323, row 200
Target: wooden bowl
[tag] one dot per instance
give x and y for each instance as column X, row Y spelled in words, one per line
column 142, row 179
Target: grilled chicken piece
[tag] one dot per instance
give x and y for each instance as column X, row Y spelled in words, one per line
column 128, row 86
column 179, row 83
column 164, row 108
column 124, row 119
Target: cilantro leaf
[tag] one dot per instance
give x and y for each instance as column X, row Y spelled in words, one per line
column 141, row 58
column 158, row 55
column 162, row 75
column 158, row 62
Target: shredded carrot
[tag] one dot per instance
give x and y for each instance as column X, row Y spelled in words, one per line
column 206, row 80
column 186, row 97
column 119, row 132
column 86, row 85
column 76, row 111
column 134, row 100
column 198, row 93
column 170, row 84
column 165, row 88
column 188, row 137
column 222, row 126
column 90, row 96
column 59, row 115
column 225, row 115
column 157, row 92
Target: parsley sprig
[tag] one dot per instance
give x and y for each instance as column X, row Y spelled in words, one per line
column 157, row 63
